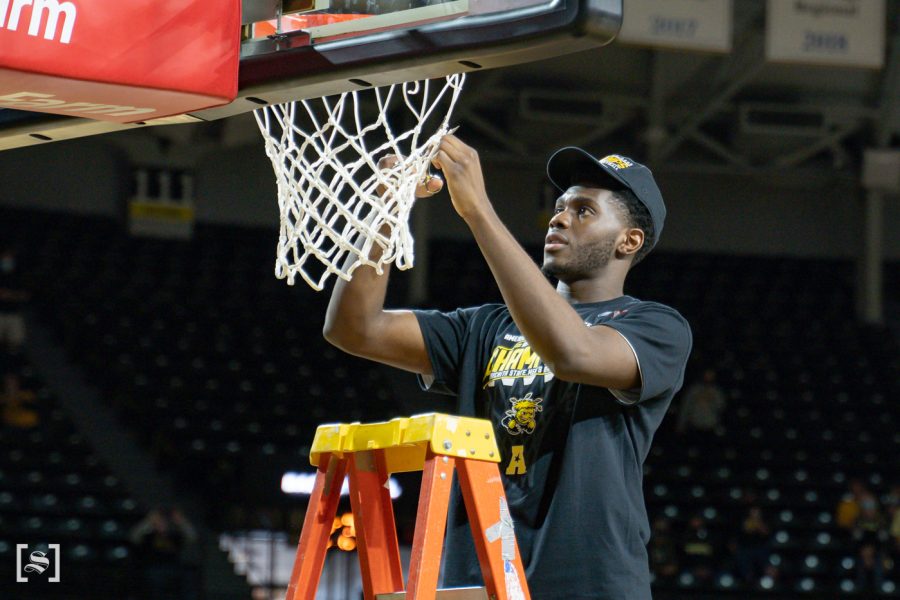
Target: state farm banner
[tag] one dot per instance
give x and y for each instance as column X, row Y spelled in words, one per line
column 123, row 61
column 684, row 24
column 826, row 32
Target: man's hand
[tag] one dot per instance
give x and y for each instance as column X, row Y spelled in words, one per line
column 462, row 169
column 429, row 186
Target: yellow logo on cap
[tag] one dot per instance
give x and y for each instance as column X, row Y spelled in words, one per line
column 616, row 162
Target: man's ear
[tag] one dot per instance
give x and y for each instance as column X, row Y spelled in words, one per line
column 630, row 242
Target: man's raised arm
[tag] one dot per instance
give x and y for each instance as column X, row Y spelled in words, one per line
column 357, row 323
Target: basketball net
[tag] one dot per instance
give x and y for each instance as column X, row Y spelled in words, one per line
column 325, row 154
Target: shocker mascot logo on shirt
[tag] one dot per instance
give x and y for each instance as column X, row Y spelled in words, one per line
column 522, row 417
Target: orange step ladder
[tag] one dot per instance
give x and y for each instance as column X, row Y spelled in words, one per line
column 435, row 444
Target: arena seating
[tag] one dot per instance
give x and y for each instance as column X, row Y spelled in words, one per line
column 54, row 489
column 221, row 369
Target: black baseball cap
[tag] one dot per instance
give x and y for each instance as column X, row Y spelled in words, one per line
column 571, row 166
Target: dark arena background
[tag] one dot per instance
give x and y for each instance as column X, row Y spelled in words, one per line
column 157, row 411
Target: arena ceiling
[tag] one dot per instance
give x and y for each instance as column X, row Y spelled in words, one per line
column 685, row 111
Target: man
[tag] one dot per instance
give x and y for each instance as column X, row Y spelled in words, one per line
column 575, row 379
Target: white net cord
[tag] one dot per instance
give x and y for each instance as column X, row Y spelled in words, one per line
column 325, row 156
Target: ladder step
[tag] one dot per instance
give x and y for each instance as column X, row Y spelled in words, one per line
column 469, row 593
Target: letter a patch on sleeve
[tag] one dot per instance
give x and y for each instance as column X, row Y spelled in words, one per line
column 516, row 464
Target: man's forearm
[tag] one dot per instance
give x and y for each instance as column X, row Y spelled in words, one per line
column 592, row 355
column 544, row 317
column 355, row 303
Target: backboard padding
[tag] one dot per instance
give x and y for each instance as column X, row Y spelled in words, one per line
column 297, row 65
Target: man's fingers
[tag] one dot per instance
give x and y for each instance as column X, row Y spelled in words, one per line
column 431, row 185
column 452, row 153
column 454, row 145
column 447, row 146
column 434, row 184
column 451, row 140
column 387, row 161
column 440, row 159
column 457, row 151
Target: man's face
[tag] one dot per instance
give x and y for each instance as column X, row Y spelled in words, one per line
column 581, row 239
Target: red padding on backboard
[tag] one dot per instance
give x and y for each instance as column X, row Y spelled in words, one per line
column 123, row 60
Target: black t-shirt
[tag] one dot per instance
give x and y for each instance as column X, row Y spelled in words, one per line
column 572, row 454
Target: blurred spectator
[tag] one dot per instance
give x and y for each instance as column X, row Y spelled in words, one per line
column 12, row 302
column 698, row 551
column 869, row 532
column 891, row 500
column 663, row 550
column 869, row 568
column 160, row 539
column 17, row 404
column 894, row 536
column 870, row 528
column 752, row 555
column 850, row 505
column 702, row 407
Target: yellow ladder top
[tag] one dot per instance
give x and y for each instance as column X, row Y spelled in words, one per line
column 406, row 439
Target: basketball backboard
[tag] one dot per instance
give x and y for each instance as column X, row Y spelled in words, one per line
column 293, row 49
